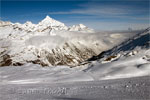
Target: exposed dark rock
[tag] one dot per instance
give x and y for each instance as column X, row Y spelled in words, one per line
column 6, row 60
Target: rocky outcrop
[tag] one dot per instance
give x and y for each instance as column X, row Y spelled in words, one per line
column 69, row 54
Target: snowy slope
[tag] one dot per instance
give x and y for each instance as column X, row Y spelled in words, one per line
column 129, row 59
column 120, row 65
column 31, row 89
column 99, row 81
column 129, row 47
column 126, row 77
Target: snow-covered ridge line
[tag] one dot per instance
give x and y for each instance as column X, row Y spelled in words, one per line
column 48, row 23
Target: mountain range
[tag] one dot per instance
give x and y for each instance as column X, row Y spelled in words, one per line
column 52, row 43
column 49, row 42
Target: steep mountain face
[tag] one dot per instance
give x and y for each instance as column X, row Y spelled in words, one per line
column 49, row 24
column 41, row 50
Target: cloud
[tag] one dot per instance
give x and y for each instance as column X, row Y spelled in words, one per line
column 94, row 11
column 115, row 16
column 114, row 10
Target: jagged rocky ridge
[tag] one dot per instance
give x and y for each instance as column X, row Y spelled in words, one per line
column 67, row 54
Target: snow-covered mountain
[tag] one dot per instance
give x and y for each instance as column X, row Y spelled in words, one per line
column 131, row 46
column 81, row 28
column 47, row 24
column 50, row 24
column 48, row 21
column 130, row 58
column 49, row 42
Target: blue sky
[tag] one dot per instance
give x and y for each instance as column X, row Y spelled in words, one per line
column 97, row 14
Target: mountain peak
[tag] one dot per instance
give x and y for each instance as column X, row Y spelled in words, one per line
column 82, row 26
column 47, row 18
column 28, row 22
column 48, row 21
